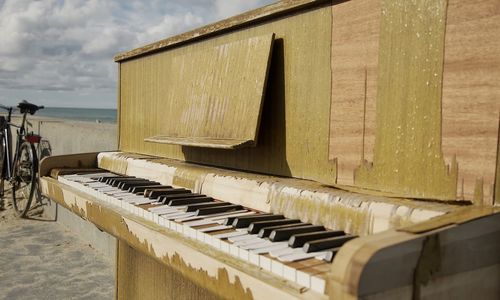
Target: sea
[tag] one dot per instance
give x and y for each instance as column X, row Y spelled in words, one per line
column 99, row 115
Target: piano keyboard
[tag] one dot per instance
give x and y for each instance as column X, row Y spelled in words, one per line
column 299, row 252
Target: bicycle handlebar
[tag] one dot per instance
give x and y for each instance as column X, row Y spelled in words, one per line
column 6, row 107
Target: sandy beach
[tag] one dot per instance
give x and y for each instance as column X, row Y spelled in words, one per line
column 41, row 259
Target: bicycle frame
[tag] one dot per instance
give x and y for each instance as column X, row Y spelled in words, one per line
column 7, row 137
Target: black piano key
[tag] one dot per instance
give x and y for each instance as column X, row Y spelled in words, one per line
column 104, row 179
column 140, row 189
column 117, row 181
column 245, row 221
column 154, row 194
column 284, row 234
column 266, row 231
column 189, row 201
column 126, row 185
column 230, row 220
column 216, row 210
column 298, row 240
column 330, row 255
column 165, row 199
column 196, row 206
column 327, row 243
column 255, row 227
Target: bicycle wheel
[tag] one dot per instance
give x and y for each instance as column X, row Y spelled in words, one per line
column 3, row 167
column 24, row 179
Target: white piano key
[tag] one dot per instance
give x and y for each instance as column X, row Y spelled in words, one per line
column 246, row 236
column 247, row 213
column 300, row 256
column 213, row 215
column 215, row 242
column 265, row 263
column 262, row 244
column 303, row 279
column 200, row 223
column 234, row 250
column 318, row 284
column 144, row 201
column 224, row 246
column 254, row 240
column 289, row 273
column 243, row 254
column 253, row 258
column 277, row 267
column 285, row 251
column 159, row 208
column 191, row 232
column 179, row 228
column 274, row 246
column 214, row 228
column 229, row 234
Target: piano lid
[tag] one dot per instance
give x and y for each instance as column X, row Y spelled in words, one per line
column 218, row 96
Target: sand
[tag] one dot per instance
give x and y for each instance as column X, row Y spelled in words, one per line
column 40, row 259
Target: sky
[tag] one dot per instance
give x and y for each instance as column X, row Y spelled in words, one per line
column 59, row 53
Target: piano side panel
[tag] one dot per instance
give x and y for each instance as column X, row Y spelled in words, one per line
column 433, row 264
column 293, row 136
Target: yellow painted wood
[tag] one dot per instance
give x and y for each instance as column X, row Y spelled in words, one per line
column 213, row 96
column 293, row 136
column 407, row 156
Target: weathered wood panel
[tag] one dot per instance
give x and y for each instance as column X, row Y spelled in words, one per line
column 471, row 94
column 293, row 137
column 355, row 35
column 465, row 131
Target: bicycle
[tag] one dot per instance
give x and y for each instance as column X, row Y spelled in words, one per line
column 21, row 170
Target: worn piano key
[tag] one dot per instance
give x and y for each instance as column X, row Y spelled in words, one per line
column 220, row 209
column 108, row 179
column 243, row 222
column 334, row 242
column 330, row 254
column 141, row 189
column 117, row 181
column 155, row 193
column 214, row 228
column 285, row 251
column 167, row 198
column 229, row 234
column 188, row 201
column 196, row 206
column 298, row 240
column 283, row 234
column 212, row 215
column 129, row 184
column 267, row 249
column 255, row 227
column 266, row 231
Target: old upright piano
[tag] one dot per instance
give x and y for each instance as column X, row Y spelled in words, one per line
column 306, row 149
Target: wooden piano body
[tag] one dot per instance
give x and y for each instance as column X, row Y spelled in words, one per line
column 379, row 117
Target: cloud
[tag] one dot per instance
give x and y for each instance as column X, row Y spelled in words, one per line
column 68, row 45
